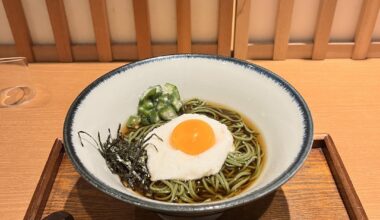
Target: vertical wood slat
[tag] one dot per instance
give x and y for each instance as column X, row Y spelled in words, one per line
column 283, row 22
column 101, row 29
column 19, row 28
column 365, row 27
column 142, row 26
column 58, row 20
column 183, row 26
column 225, row 27
column 323, row 29
column 243, row 8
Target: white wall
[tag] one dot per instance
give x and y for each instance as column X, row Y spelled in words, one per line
column 38, row 21
column 204, row 21
column 163, row 20
column 121, row 21
column 5, row 31
column 262, row 21
column 345, row 20
column 304, row 20
column 79, row 19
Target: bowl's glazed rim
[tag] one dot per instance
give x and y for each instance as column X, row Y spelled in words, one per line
column 199, row 207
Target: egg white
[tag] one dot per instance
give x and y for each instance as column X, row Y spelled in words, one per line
column 165, row 162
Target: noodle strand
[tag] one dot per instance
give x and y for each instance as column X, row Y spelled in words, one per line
column 240, row 168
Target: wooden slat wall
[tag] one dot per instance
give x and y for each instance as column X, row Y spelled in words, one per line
column 225, row 27
column 142, row 25
column 233, row 22
column 243, row 8
column 58, row 20
column 120, row 52
column 321, row 48
column 374, row 50
column 101, row 29
column 283, row 21
column 183, row 26
column 323, row 29
column 365, row 27
column 104, row 50
column 19, row 27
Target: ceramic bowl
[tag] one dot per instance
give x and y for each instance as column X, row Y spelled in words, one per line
column 271, row 103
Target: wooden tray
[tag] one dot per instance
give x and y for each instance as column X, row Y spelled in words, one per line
column 321, row 189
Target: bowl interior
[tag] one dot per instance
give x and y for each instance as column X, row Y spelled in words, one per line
column 271, row 104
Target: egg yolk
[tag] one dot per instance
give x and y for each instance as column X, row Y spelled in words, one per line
column 192, row 136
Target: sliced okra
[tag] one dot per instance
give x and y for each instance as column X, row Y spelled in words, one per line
column 143, row 111
column 133, row 121
column 147, row 104
column 167, row 113
column 164, row 98
column 152, row 92
column 177, row 104
column 171, row 90
column 145, row 120
column 160, row 105
column 153, row 117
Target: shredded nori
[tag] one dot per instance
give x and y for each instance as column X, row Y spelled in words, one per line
column 126, row 159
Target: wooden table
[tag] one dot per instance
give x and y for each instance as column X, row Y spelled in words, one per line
column 343, row 95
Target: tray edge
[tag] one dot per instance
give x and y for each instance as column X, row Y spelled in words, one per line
column 342, row 180
column 45, row 184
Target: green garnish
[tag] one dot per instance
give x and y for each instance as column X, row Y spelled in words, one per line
column 133, row 121
column 158, row 103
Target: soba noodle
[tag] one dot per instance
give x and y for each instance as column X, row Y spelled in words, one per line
column 241, row 167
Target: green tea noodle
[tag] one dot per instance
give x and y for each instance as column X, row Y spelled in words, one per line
column 241, row 167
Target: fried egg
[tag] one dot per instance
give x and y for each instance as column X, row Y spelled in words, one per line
column 189, row 147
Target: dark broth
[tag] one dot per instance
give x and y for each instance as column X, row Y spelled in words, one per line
column 260, row 139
